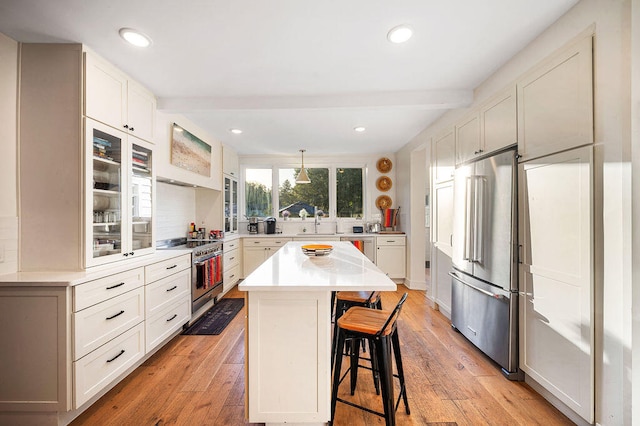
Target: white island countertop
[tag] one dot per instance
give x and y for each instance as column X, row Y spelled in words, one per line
column 344, row 269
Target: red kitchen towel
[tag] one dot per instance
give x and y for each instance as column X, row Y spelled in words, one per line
column 359, row 244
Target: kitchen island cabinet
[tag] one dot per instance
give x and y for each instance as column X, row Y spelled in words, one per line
column 288, row 360
column 256, row 250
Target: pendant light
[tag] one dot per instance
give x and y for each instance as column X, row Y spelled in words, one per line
column 302, row 176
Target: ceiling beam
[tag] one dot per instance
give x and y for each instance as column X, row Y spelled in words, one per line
column 427, row 99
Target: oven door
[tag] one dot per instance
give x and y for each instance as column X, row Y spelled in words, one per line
column 207, row 275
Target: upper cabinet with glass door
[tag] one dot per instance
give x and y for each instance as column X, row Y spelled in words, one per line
column 120, row 195
column 230, row 205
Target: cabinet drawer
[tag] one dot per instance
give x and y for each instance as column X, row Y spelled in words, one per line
column 94, row 292
column 96, row 370
column 167, row 267
column 100, row 323
column 266, row 242
column 230, row 277
column 166, row 321
column 166, row 291
column 231, row 245
column 390, row 241
column 230, row 259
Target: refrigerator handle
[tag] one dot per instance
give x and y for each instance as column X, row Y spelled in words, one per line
column 478, row 219
column 468, row 218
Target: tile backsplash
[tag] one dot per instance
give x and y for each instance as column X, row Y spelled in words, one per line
column 175, row 210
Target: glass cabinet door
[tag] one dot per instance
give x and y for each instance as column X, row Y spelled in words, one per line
column 227, row 204
column 141, row 198
column 234, row 207
column 107, row 190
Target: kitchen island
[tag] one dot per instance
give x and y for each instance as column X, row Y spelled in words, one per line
column 288, row 341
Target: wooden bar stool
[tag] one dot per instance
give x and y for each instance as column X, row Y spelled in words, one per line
column 379, row 328
column 348, row 299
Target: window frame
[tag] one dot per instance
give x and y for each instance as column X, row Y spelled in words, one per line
column 275, row 185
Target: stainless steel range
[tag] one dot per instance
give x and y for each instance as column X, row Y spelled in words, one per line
column 206, row 267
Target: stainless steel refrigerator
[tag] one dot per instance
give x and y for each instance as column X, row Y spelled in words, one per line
column 484, row 292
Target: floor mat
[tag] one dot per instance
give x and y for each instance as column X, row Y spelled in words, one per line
column 217, row 318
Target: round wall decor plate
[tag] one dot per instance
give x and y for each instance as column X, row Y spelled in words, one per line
column 384, row 183
column 384, row 165
column 383, row 202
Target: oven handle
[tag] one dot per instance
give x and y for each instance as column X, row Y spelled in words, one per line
column 201, row 262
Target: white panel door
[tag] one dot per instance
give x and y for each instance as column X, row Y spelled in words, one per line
column 556, row 276
column 441, row 257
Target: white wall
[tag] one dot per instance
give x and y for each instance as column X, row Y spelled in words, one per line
column 613, row 227
column 8, row 153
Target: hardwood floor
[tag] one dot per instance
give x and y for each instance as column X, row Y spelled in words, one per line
column 199, row 380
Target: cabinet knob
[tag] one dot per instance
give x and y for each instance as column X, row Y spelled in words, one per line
column 126, row 126
column 131, row 128
column 125, row 254
column 131, row 253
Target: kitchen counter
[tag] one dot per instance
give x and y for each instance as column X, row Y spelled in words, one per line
column 72, row 278
column 289, row 269
column 288, row 362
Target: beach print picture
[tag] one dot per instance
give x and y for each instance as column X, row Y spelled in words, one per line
column 190, row 152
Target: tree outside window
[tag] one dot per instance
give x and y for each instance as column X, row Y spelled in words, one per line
column 257, row 193
column 293, row 197
column 349, row 192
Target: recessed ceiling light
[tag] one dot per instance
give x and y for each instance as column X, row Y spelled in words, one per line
column 235, row 131
column 400, row 34
column 359, row 129
column 135, row 37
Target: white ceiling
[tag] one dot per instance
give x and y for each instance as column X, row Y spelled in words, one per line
column 293, row 73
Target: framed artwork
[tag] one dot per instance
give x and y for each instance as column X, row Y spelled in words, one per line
column 190, row 152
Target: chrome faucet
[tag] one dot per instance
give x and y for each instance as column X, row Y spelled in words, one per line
column 316, row 219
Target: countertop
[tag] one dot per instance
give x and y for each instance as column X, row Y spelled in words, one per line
column 311, row 235
column 72, row 278
column 289, row 269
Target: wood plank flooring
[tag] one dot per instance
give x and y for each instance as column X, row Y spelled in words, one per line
column 199, row 380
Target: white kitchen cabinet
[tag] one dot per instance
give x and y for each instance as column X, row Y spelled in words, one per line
column 77, row 209
column 231, row 264
column 116, row 100
column 468, row 138
column 557, row 276
column 256, row 250
column 230, row 164
column 555, row 103
column 369, row 245
column 86, row 331
column 499, row 121
column 442, row 243
column 492, row 126
column 443, row 154
column 120, row 190
column 167, row 299
column 391, row 255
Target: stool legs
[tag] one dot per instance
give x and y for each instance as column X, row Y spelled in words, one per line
column 383, row 352
column 336, row 374
column 398, row 356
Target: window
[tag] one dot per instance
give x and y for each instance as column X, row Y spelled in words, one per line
column 293, row 197
column 257, row 191
column 349, row 192
column 336, row 192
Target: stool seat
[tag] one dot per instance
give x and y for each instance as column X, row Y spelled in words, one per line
column 365, row 320
column 358, row 296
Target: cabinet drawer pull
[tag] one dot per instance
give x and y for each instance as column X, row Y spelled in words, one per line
column 231, row 258
column 116, row 315
column 126, row 126
column 117, row 356
column 232, row 275
column 115, row 286
column 171, row 267
column 172, row 288
column 172, row 318
column 256, row 242
column 131, row 128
